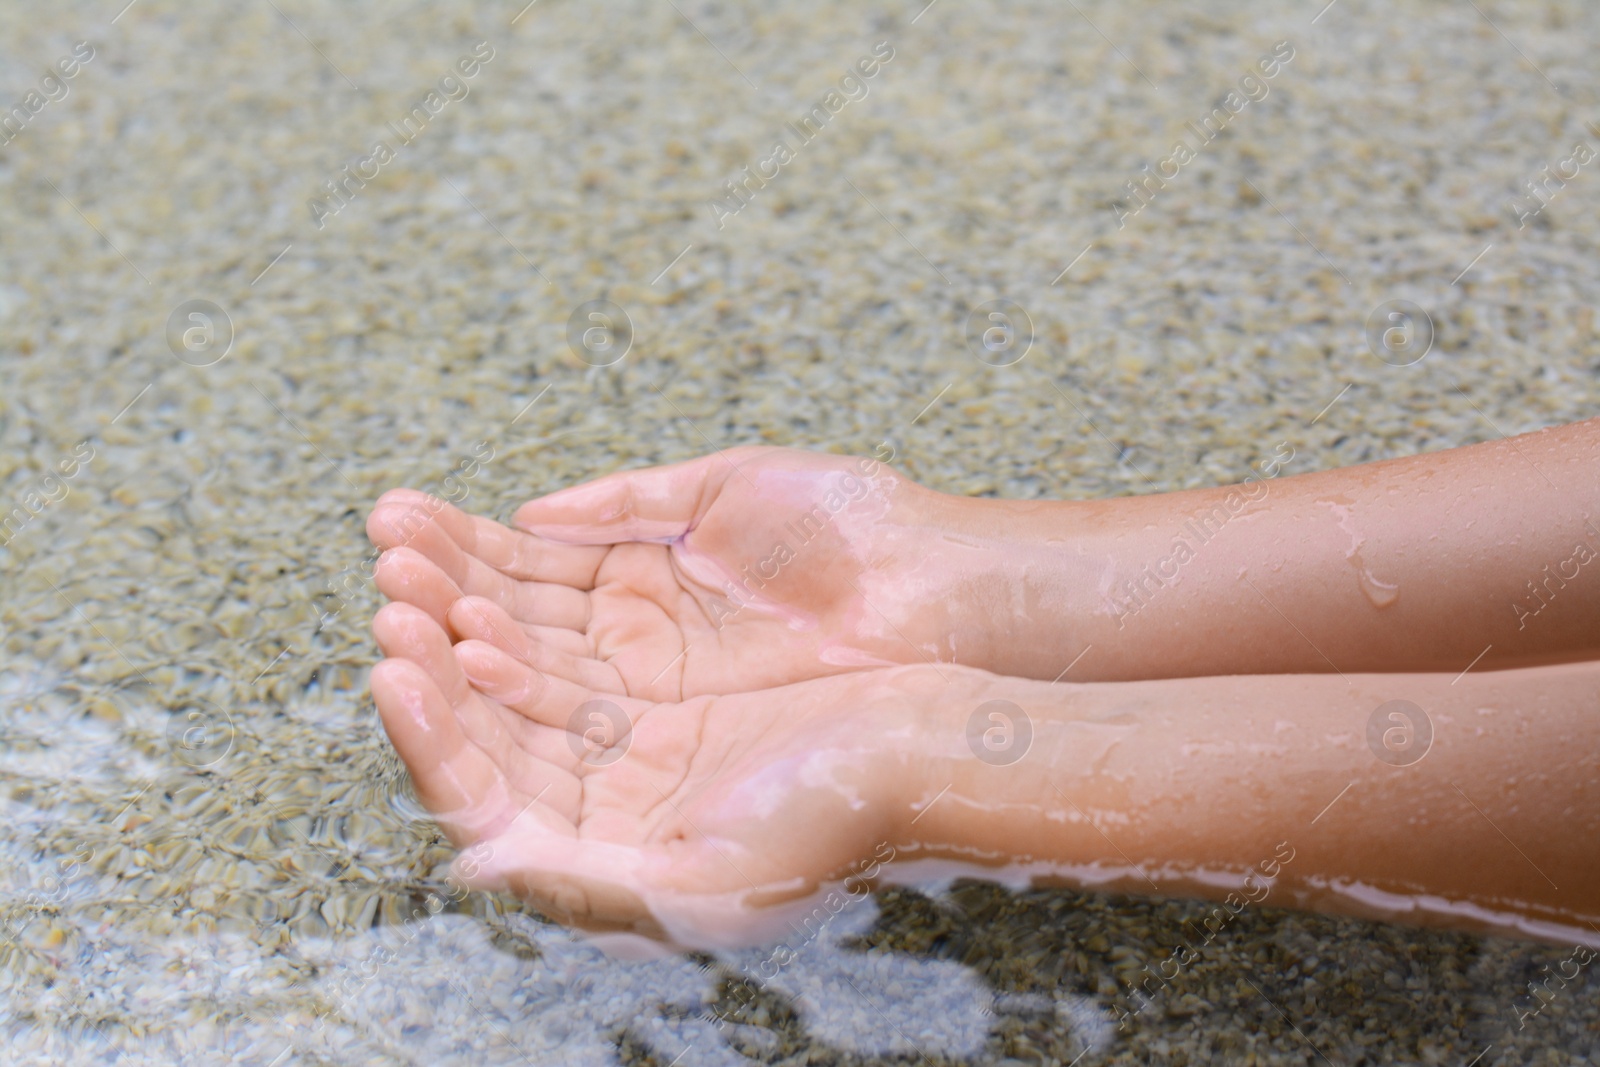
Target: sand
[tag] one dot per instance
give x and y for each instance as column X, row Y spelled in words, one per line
column 208, row 849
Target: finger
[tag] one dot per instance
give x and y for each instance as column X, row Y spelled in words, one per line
column 454, row 779
column 513, row 552
column 406, row 576
column 432, row 572
column 475, row 618
column 538, row 761
column 571, row 642
column 399, row 514
column 541, row 603
column 654, row 504
column 395, row 524
column 531, row 757
column 405, row 631
column 545, row 603
column 544, row 698
column 548, row 604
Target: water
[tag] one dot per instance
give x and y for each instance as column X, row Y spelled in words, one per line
column 208, row 852
column 263, row 914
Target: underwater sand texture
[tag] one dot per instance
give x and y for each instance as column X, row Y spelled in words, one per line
column 245, row 890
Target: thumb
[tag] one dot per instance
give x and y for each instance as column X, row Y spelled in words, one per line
column 654, row 504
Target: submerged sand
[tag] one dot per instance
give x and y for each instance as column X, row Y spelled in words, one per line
column 202, row 565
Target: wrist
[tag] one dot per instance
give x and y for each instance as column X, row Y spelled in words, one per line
column 989, row 747
column 1016, row 581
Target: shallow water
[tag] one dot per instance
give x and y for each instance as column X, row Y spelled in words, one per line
column 208, row 850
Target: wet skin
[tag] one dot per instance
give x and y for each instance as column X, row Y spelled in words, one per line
column 791, row 646
column 757, row 567
column 680, row 581
column 696, row 822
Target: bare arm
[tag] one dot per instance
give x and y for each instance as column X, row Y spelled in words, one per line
column 1474, row 805
column 1414, row 564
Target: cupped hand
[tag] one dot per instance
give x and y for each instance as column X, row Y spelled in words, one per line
column 691, row 822
column 742, row 570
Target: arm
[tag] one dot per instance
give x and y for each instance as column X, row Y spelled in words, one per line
column 1187, row 786
column 1410, row 564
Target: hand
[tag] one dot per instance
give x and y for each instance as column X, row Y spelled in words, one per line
column 743, row 570
column 685, row 821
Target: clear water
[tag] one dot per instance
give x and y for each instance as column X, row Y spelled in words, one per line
column 203, row 572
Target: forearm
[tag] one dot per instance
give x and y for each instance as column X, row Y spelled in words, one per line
column 1418, row 563
column 1188, row 786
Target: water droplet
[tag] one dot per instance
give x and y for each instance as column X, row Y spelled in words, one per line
column 1382, row 594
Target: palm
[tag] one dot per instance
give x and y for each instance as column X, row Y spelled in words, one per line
column 622, row 813
column 745, row 570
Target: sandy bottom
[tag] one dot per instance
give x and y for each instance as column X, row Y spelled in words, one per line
column 188, row 559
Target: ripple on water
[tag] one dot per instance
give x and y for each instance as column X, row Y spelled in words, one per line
column 251, row 903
